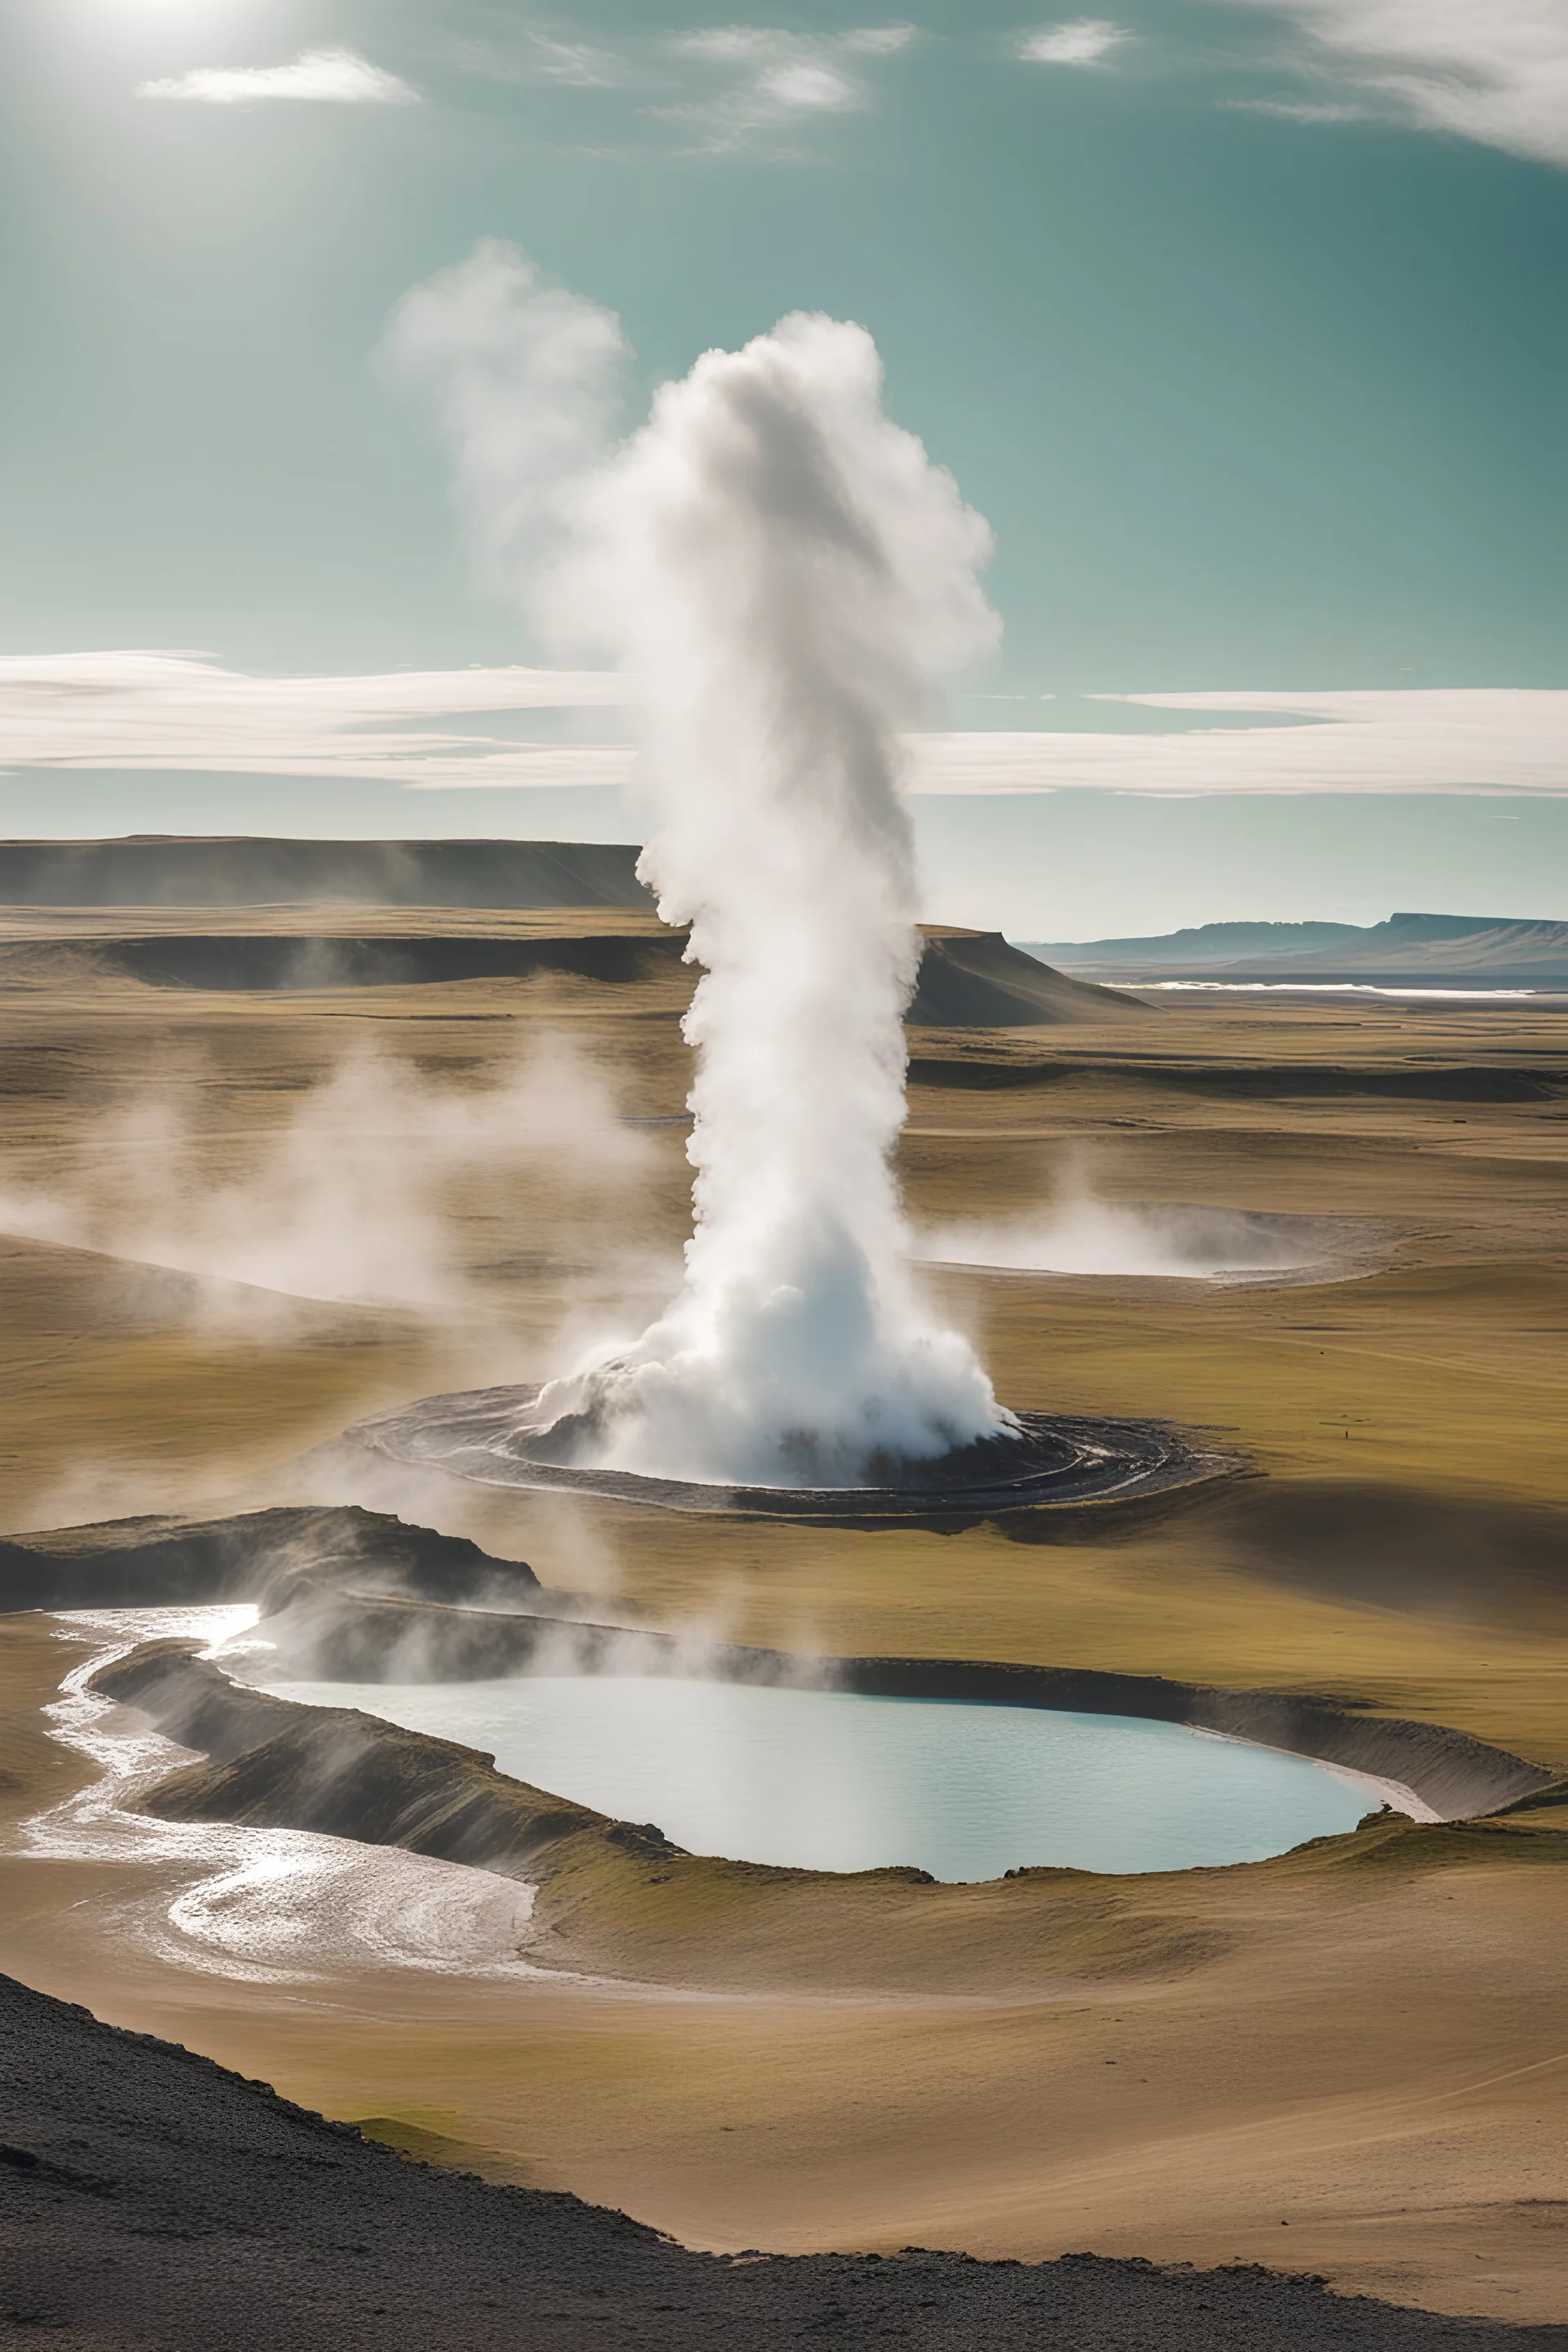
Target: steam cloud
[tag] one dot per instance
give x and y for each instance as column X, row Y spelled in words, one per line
column 780, row 572
column 349, row 1199
column 526, row 379
column 1169, row 1240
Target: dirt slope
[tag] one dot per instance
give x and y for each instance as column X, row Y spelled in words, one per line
column 151, row 2199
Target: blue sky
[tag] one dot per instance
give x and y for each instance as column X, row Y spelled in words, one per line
column 1242, row 321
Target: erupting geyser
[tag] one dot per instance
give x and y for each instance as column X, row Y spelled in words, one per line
column 786, row 569
column 780, row 572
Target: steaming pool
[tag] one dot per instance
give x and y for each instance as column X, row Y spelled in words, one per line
column 833, row 1781
column 1167, row 1240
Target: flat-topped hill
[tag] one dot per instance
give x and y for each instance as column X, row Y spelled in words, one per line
column 968, row 980
column 974, row 979
column 1412, row 947
column 177, row 870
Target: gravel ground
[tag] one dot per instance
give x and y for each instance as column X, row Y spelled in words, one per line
column 150, row 2199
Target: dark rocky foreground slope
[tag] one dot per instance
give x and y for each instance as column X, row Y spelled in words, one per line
column 148, row 2198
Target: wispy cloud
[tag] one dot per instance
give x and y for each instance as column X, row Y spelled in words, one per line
column 764, row 79
column 1495, row 71
column 1305, row 110
column 527, row 53
column 164, row 710
column 526, row 379
column 1085, row 41
column 1448, row 740
column 731, row 87
column 139, row 710
column 326, row 77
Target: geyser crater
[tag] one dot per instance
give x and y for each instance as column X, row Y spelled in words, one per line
column 498, row 1437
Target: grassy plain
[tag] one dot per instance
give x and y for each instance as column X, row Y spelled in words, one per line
column 1351, row 2062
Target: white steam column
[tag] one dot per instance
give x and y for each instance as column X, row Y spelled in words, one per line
column 786, row 569
column 780, row 572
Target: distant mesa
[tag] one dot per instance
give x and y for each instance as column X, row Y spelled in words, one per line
column 974, row 979
column 310, row 929
column 1480, row 951
column 178, row 870
column 967, row 980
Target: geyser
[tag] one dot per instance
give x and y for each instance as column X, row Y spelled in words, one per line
column 786, row 569
column 780, row 572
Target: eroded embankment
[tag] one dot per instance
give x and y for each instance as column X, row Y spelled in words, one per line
column 276, row 1765
column 254, row 1556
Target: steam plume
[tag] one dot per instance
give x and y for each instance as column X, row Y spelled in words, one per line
column 525, row 379
column 780, row 571
column 351, row 1197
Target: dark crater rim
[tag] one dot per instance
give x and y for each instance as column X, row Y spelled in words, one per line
column 1055, row 1461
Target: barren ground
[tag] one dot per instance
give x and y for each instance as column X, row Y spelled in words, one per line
column 1346, row 2064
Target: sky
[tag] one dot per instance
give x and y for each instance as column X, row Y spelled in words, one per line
column 1241, row 320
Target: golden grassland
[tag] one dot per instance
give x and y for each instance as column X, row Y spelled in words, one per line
column 1351, row 2059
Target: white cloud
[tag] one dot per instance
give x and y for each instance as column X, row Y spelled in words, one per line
column 162, row 711
column 1492, row 70
column 773, row 78
column 1087, row 41
column 331, row 77
column 1448, row 740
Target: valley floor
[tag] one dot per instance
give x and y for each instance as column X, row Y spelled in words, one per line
column 1353, row 2062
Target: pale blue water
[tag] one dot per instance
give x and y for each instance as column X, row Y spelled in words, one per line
column 832, row 1782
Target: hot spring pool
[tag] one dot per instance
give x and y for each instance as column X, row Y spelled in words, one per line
column 828, row 1780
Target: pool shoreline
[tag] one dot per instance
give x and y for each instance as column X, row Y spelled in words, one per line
column 361, row 1637
column 808, row 1777
column 619, row 1900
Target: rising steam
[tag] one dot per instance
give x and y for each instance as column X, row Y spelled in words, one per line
column 350, row 1197
column 1166, row 1240
column 780, row 572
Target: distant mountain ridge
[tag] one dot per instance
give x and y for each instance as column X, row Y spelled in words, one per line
column 1208, row 943
column 1489, row 950
column 259, row 870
